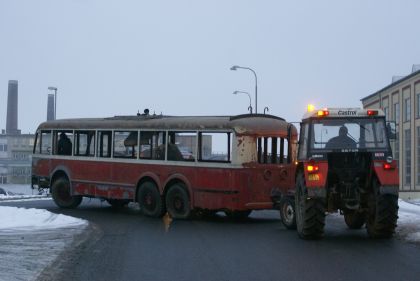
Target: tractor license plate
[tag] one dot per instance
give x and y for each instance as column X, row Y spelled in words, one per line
column 313, row 177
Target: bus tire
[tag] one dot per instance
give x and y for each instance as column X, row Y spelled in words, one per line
column 382, row 215
column 310, row 213
column 178, row 202
column 354, row 220
column 238, row 215
column 150, row 201
column 60, row 191
column 287, row 212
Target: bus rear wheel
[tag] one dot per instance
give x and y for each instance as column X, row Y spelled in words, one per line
column 178, row 202
column 150, row 201
column 60, row 191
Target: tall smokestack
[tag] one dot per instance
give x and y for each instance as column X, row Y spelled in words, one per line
column 50, row 107
column 12, row 108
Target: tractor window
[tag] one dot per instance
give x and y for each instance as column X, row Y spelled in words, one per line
column 343, row 133
column 303, row 141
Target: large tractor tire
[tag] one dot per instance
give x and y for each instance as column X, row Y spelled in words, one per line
column 383, row 214
column 150, row 201
column 310, row 212
column 288, row 213
column 354, row 220
column 61, row 194
column 178, row 202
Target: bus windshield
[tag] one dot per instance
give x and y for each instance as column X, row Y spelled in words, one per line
column 354, row 133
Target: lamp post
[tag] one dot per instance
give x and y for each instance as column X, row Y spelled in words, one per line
column 235, row 67
column 55, row 100
column 249, row 96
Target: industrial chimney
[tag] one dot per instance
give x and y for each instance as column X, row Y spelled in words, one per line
column 50, row 107
column 12, row 108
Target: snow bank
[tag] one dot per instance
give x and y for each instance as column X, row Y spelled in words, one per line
column 409, row 221
column 13, row 218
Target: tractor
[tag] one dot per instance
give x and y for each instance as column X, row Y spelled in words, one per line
column 345, row 165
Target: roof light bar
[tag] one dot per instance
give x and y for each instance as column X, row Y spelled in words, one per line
column 323, row 113
column 372, row 112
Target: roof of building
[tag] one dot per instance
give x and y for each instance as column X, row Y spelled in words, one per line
column 392, row 84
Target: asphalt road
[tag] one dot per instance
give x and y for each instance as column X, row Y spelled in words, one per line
column 124, row 245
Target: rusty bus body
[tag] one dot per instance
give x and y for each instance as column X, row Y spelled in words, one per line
column 255, row 171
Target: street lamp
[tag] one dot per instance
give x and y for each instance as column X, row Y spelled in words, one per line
column 55, row 100
column 249, row 96
column 235, row 67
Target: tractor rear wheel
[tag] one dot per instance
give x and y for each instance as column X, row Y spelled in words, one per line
column 310, row 213
column 383, row 213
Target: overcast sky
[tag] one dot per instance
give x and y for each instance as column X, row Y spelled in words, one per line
column 117, row 57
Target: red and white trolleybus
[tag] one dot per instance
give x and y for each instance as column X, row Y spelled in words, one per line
column 168, row 164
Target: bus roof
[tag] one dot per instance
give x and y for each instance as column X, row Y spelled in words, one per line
column 247, row 124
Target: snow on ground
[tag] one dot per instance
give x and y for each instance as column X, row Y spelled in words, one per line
column 31, row 239
column 409, row 221
column 20, row 189
column 13, row 218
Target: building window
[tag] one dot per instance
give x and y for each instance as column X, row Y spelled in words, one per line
column 386, row 112
column 418, row 104
column 418, row 155
column 407, row 154
column 407, row 109
column 397, row 112
column 397, row 147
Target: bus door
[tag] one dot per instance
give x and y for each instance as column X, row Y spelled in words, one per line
column 41, row 161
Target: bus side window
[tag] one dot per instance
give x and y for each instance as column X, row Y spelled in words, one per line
column 45, row 142
column 37, row 149
column 272, row 150
column 84, row 143
column 104, row 144
column 181, row 146
column 125, row 144
column 152, row 145
column 215, row 147
column 63, row 142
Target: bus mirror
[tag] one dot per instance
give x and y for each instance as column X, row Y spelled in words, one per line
column 391, row 130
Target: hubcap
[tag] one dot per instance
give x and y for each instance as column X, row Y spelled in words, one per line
column 289, row 213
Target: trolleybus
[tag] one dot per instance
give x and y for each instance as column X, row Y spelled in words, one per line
column 169, row 164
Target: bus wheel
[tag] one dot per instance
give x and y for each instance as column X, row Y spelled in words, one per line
column 353, row 219
column 150, row 200
column 287, row 212
column 238, row 215
column 310, row 214
column 178, row 202
column 60, row 191
column 383, row 214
